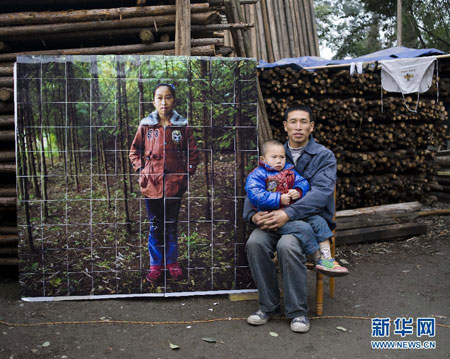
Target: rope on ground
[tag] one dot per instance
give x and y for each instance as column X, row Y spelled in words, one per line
column 106, row 321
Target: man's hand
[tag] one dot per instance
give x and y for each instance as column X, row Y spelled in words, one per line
column 270, row 220
column 260, row 217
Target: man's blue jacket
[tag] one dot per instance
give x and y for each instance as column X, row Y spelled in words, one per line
column 318, row 166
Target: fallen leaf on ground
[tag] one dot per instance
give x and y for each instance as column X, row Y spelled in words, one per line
column 274, row 334
column 341, row 329
column 173, row 346
column 209, row 340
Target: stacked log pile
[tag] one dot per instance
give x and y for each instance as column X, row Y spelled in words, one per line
column 382, row 148
column 108, row 30
column 441, row 190
column 8, row 229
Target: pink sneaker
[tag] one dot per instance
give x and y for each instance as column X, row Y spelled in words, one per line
column 175, row 271
column 154, row 274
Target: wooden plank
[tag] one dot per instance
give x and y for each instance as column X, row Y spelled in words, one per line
column 444, row 173
column 238, row 297
column 381, row 233
column 373, row 220
column 387, row 208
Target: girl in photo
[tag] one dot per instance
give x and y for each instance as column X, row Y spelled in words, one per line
column 165, row 154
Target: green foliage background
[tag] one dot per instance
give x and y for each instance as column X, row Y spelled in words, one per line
column 354, row 28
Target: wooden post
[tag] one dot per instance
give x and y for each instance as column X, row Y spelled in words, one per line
column 183, row 28
column 399, row 23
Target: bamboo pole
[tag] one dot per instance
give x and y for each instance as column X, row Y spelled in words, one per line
column 268, row 37
column 121, row 49
column 183, row 28
column 147, row 36
column 206, row 50
column 234, row 33
column 6, row 121
column 262, row 46
column 6, row 94
column 252, row 18
column 309, row 27
column 4, row 47
column 315, row 35
column 7, row 156
column 284, row 34
column 222, row 2
column 113, row 33
column 237, row 13
column 6, row 70
column 301, row 28
column 54, row 17
column 7, row 81
column 36, row 30
column 291, row 29
column 273, row 30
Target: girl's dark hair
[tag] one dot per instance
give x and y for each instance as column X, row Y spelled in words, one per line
column 170, row 86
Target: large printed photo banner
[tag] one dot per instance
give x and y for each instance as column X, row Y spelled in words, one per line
column 131, row 174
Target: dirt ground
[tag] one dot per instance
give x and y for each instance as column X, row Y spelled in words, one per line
column 399, row 279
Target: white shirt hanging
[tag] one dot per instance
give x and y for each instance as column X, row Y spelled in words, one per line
column 408, row 75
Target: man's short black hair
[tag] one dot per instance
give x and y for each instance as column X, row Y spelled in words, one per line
column 267, row 144
column 305, row 108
